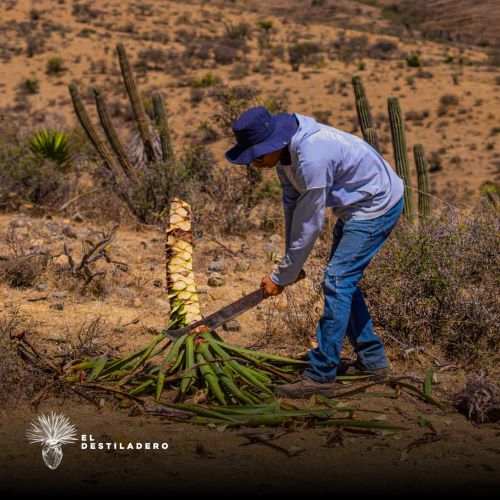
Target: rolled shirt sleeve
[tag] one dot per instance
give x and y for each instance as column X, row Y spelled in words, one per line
column 306, row 220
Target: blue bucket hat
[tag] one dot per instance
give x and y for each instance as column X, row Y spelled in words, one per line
column 258, row 132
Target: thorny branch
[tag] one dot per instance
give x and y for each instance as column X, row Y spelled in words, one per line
column 97, row 251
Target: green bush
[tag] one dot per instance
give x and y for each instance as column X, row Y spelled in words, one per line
column 490, row 194
column 26, row 177
column 208, row 80
column 304, row 52
column 265, row 24
column 30, row 86
column 413, row 61
column 55, row 66
column 239, row 31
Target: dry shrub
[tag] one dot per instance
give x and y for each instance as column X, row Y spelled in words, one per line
column 349, row 49
column 234, row 192
column 479, row 400
column 87, row 270
column 436, row 283
column 23, row 271
column 309, row 53
column 15, row 373
column 290, row 321
column 91, row 340
column 22, row 268
column 383, row 49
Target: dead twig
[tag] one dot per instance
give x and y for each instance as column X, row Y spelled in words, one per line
column 262, row 439
column 96, row 251
column 367, row 386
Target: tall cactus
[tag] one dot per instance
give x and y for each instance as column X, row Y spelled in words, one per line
column 109, row 129
column 109, row 160
column 162, row 125
column 400, row 153
column 424, row 199
column 137, row 106
column 364, row 113
column 146, row 195
column 372, row 138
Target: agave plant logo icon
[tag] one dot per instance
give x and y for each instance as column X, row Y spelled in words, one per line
column 52, row 431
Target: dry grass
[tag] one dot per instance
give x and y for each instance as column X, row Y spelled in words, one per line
column 479, row 400
column 17, row 377
column 23, row 266
column 436, row 284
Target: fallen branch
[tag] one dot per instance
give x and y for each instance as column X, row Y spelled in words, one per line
column 75, row 198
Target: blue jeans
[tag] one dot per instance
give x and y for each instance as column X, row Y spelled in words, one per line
column 355, row 242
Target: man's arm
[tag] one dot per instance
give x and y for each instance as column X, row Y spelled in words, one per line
column 290, row 197
column 305, row 226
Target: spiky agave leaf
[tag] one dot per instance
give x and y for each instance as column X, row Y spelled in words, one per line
column 181, row 285
column 53, row 429
column 52, row 144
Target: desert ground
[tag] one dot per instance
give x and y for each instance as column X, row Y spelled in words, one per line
column 187, row 50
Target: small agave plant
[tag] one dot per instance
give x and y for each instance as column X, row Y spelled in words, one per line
column 52, row 144
column 52, row 431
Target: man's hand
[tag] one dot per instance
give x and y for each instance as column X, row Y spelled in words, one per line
column 270, row 287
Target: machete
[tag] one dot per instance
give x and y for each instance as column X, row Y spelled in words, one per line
column 218, row 318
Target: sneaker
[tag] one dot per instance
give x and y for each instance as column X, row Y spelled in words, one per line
column 305, row 387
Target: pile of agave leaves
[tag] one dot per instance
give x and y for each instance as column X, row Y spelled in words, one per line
column 236, row 384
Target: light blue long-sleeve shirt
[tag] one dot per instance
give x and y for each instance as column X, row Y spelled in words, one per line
column 330, row 168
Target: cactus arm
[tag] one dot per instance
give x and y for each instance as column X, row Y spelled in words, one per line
column 135, row 101
column 98, row 143
column 371, row 138
column 358, row 87
column 111, row 134
column 400, row 153
column 362, row 105
column 424, row 199
column 162, row 126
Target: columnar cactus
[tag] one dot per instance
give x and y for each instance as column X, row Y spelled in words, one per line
column 111, row 134
column 162, row 125
column 146, row 195
column 371, row 138
column 364, row 113
column 400, row 153
column 137, row 106
column 99, row 144
column 424, row 199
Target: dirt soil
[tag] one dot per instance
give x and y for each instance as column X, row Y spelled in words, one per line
column 201, row 459
column 453, row 456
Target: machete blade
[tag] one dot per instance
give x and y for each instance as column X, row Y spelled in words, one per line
column 218, row 318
